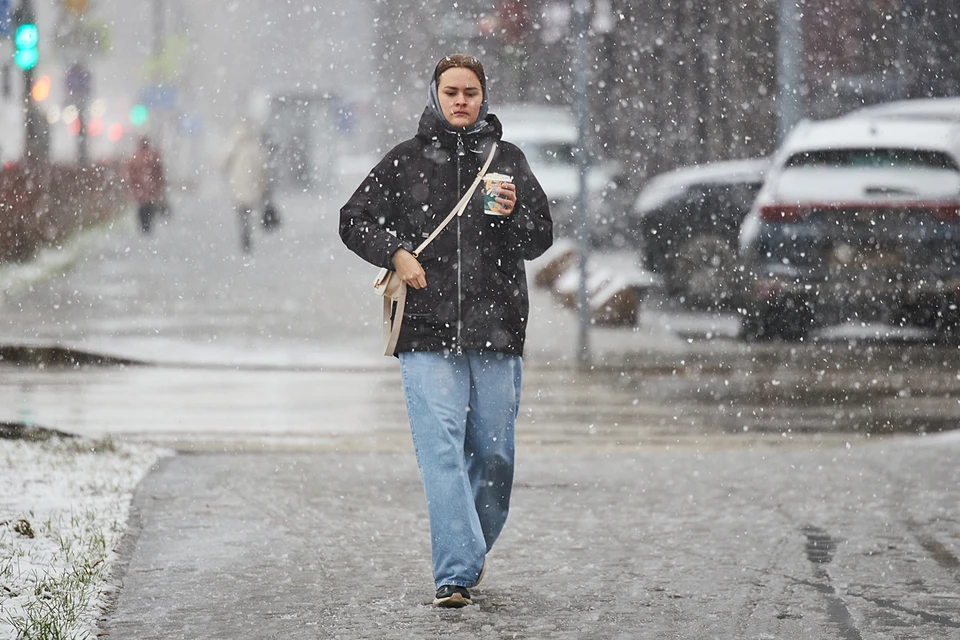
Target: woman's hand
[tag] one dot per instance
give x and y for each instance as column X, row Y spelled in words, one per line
column 408, row 268
column 507, row 197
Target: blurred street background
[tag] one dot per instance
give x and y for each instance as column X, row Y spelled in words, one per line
column 328, row 89
column 172, row 333
column 670, row 83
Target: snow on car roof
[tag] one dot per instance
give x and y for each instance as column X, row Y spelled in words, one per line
column 869, row 133
column 944, row 109
column 666, row 185
column 714, row 171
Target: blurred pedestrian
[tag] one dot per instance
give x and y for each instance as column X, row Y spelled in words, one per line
column 271, row 210
column 146, row 178
column 246, row 171
column 461, row 341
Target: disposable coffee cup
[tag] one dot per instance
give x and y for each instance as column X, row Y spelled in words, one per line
column 491, row 190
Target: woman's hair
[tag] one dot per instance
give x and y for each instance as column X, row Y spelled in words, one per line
column 460, row 60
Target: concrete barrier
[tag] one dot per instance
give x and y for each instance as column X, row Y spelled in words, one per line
column 615, row 284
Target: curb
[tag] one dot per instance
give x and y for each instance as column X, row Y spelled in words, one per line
column 51, row 261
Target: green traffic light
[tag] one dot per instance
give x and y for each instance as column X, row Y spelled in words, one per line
column 27, row 37
column 138, row 115
column 26, row 59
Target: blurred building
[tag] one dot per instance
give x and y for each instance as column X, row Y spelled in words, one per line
column 674, row 82
column 697, row 82
column 865, row 52
column 691, row 82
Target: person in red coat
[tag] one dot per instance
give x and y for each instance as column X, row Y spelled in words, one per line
column 145, row 176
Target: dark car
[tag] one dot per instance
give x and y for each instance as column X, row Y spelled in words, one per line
column 686, row 223
column 858, row 221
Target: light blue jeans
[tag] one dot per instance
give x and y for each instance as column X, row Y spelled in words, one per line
column 462, row 410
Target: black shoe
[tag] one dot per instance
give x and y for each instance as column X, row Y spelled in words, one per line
column 452, row 597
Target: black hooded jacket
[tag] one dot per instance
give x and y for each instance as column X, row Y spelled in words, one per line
column 476, row 293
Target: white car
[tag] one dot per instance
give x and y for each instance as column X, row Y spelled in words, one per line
column 547, row 135
column 858, row 219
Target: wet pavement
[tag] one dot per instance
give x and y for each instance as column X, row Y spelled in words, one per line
column 687, row 485
column 649, row 542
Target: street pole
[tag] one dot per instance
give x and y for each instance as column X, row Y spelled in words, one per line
column 158, row 28
column 35, row 142
column 581, row 27
column 790, row 71
column 83, row 146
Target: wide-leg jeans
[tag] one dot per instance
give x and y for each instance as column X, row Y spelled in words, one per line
column 462, row 411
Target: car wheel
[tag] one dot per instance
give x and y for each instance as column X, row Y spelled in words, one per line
column 652, row 251
column 787, row 319
column 938, row 318
column 703, row 270
column 946, row 327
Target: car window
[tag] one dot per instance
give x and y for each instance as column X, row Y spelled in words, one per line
column 737, row 196
column 548, row 153
column 873, row 158
column 720, row 201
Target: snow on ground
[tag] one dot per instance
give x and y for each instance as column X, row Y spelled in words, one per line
column 63, row 514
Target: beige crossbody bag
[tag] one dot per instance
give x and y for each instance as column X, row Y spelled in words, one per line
column 394, row 291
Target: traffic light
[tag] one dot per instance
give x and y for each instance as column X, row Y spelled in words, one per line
column 138, row 115
column 40, row 90
column 25, row 40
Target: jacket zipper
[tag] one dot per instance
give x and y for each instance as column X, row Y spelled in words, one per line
column 460, row 153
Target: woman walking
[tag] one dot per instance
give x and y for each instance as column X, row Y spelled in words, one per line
column 461, row 340
column 246, row 172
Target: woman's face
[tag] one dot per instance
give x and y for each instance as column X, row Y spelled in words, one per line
column 460, row 96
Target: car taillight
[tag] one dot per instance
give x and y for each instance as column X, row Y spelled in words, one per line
column 781, row 212
column 946, row 212
column 767, row 288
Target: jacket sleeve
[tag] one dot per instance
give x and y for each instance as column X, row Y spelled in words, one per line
column 368, row 220
column 533, row 225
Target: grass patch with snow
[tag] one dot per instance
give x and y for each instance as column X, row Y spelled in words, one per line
column 63, row 514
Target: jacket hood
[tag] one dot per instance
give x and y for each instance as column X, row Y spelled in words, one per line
column 433, row 103
column 434, row 129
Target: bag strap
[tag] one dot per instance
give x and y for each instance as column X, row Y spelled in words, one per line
column 461, row 206
column 391, row 331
